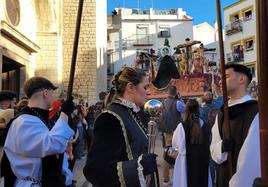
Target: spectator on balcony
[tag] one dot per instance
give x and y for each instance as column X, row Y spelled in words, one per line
column 241, row 52
column 238, row 53
column 235, row 22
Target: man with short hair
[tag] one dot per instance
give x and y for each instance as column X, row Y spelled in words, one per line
column 7, row 103
column 34, row 152
column 173, row 106
column 7, row 99
column 208, row 112
column 209, row 106
column 244, row 143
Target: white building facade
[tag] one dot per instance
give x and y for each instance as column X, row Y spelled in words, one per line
column 204, row 32
column 208, row 35
column 134, row 30
column 240, row 34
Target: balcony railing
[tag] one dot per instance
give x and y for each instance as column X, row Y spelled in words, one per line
column 143, row 40
column 235, row 57
column 234, row 27
column 140, row 12
column 165, row 12
column 164, row 34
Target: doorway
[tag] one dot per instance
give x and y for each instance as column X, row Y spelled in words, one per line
column 11, row 75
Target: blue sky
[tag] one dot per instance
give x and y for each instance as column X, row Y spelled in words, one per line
column 200, row 10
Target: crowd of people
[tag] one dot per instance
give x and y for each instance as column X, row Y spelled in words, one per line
column 42, row 136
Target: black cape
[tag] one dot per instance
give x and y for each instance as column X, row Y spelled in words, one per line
column 119, row 139
column 167, row 71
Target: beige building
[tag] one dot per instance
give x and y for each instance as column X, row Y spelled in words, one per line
column 37, row 37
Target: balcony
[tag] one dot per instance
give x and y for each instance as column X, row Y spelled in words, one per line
column 143, row 40
column 235, row 57
column 164, row 34
column 234, row 27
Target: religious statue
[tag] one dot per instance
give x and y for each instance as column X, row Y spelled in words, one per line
column 181, row 61
column 200, row 60
column 189, row 56
column 147, row 60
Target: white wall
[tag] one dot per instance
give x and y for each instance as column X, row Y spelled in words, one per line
column 204, row 33
column 101, row 45
column 207, row 34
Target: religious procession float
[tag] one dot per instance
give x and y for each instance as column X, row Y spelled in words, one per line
column 188, row 69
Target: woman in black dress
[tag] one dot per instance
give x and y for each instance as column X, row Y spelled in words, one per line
column 118, row 153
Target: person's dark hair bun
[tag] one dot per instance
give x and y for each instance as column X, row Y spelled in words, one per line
column 115, row 81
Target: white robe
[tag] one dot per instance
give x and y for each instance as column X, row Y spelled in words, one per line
column 248, row 162
column 29, row 140
column 180, row 168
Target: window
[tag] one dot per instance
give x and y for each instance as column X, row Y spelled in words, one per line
column 164, row 31
column 13, row 11
column 142, row 32
column 143, row 37
column 249, row 45
column 234, row 18
column 247, row 15
column 235, row 22
column 238, row 52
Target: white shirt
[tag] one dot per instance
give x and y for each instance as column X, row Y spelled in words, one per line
column 29, row 140
column 248, row 162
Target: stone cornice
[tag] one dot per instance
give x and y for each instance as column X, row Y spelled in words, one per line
column 17, row 37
